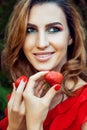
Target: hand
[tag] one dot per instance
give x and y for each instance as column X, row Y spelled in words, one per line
column 16, row 109
column 37, row 107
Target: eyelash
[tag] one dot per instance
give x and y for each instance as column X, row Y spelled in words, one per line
column 54, row 29
column 31, row 30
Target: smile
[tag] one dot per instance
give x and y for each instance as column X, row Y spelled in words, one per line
column 42, row 57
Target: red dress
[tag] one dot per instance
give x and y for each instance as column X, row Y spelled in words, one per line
column 68, row 115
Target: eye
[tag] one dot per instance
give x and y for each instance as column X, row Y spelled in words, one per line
column 31, row 30
column 54, row 30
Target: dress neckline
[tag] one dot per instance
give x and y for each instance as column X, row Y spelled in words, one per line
column 70, row 99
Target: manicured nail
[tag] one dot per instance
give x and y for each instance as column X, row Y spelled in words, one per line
column 57, row 87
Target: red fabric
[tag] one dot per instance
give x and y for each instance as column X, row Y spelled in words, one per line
column 4, row 124
column 68, row 115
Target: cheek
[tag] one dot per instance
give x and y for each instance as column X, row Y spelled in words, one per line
column 59, row 42
column 29, row 43
column 60, row 46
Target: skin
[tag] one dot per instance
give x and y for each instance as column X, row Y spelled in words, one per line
column 46, row 49
column 47, row 37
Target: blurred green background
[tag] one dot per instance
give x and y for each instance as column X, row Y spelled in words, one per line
column 6, row 7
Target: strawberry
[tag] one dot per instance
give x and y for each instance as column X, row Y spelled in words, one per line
column 9, row 96
column 22, row 77
column 53, row 78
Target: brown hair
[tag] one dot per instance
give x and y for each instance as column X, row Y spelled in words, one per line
column 14, row 61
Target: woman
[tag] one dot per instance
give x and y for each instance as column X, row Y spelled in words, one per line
column 45, row 35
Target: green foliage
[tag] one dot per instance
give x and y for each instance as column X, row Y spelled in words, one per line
column 6, row 8
column 5, row 89
column 3, row 100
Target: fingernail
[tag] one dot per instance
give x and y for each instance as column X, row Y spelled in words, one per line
column 57, row 87
column 13, row 85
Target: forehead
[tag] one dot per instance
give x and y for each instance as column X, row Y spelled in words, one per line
column 47, row 12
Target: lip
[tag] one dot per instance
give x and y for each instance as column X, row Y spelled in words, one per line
column 43, row 56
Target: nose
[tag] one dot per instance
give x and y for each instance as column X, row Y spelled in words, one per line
column 42, row 41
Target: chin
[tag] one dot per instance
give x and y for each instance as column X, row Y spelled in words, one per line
column 44, row 68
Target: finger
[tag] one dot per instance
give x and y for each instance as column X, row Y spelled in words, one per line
column 51, row 93
column 11, row 100
column 32, row 80
column 18, row 96
column 22, row 109
column 21, row 86
column 38, row 75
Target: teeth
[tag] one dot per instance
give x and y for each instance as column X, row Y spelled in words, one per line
column 43, row 56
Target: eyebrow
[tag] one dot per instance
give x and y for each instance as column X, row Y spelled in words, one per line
column 54, row 23
column 48, row 25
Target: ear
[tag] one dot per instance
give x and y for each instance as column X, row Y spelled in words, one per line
column 70, row 40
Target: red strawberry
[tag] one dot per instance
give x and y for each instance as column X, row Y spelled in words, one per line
column 53, row 78
column 9, row 96
column 17, row 82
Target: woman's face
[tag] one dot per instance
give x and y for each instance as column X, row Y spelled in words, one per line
column 47, row 37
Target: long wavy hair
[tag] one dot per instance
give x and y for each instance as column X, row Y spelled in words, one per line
column 14, row 62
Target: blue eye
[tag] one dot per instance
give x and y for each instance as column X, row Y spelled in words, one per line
column 31, row 30
column 54, row 30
